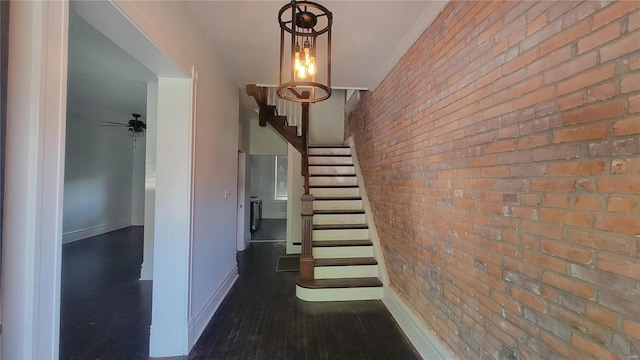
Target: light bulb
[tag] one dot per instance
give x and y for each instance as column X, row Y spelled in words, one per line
column 312, row 62
column 302, row 73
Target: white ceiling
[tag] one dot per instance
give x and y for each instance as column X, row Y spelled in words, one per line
column 368, row 38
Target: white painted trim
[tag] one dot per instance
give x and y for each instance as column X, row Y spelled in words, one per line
column 424, row 21
column 420, row 335
column 199, row 322
column 373, row 232
column 35, row 148
column 82, row 234
column 247, row 241
column 274, row 214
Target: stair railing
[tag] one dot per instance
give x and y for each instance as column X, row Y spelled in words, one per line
column 281, row 114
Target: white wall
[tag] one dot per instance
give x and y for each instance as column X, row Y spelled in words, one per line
column 294, row 205
column 146, row 273
column 104, row 173
column 265, row 140
column 263, row 185
column 172, row 27
column 244, row 145
column 326, row 120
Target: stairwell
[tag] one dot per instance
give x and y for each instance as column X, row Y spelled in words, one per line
column 345, row 267
column 338, row 260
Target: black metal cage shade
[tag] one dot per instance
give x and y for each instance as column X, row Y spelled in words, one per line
column 305, row 35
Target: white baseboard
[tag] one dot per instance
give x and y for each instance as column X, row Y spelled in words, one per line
column 199, row 322
column 146, row 270
column 274, row 215
column 247, row 241
column 427, row 344
column 76, row 235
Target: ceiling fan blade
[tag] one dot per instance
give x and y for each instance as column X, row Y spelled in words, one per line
column 116, row 123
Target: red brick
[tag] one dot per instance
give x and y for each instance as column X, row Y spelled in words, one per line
column 602, row 92
column 634, row 61
column 601, row 315
column 533, row 141
column 628, row 126
column 599, row 37
column 620, row 266
column 633, row 22
column 574, row 287
column 580, row 133
column 544, row 261
column 569, row 68
column 533, row 98
column 620, row 47
column 621, row 205
column 566, row 36
column 528, row 299
column 552, row 185
column 595, row 167
column 617, row 185
column 564, row 217
column 506, row 302
column 617, row 224
column 630, row 82
column 593, row 349
column 631, row 328
column 625, row 166
column 587, row 202
column 556, row 152
column 612, row 242
column 634, row 104
column 586, row 79
column 570, row 253
column 549, row 60
column 556, row 200
column 571, row 101
column 593, row 113
column 613, row 12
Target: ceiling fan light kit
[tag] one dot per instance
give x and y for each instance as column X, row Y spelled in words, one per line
column 135, row 126
column 305, row 35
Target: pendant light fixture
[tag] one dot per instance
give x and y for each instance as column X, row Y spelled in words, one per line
column 305, row 52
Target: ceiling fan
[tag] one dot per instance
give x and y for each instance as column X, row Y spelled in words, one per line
column 136, row 126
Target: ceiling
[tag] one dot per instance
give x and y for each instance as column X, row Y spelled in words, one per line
column 368, row 37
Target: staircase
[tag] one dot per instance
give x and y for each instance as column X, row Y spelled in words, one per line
column 344, row 267
column 337, row 262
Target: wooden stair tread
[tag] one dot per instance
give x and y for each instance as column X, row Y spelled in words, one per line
column 336, row 165
column 334, row 243
column 330, row 155
column 332, row 175
column 339, row 283
column 338, row 212
column 346, row 261
column 328, row 146
column 327, row 198
column 340, row 226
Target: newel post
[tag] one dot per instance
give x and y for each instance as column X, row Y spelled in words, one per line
column 306, row 258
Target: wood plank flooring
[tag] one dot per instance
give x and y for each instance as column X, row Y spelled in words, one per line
column 261, row 319
column 106, row 310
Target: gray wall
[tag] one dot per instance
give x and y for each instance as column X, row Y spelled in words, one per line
column 262, row 185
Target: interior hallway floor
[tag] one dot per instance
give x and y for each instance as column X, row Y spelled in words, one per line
column 271, row 230
column 106, row 311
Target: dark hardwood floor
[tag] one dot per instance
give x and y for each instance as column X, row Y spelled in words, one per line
column 271, row 230
column 261, row 319
column 106, row 311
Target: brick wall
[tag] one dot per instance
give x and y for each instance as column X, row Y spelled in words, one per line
column 501, row 157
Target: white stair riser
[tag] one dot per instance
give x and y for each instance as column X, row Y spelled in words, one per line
column 351, row 271
column 329, row 151
column 332, row 180
column 337, row 205
column 315, row 170
column 344, row 294
column 341, row 234
column 329, row 192
column 325, row 219
column 331, row 160
column 342, row 252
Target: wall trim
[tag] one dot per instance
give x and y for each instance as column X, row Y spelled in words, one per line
column 420, row 335
column 198, row 323
column 373, row 231
column 82, row 234
column 274, row 214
